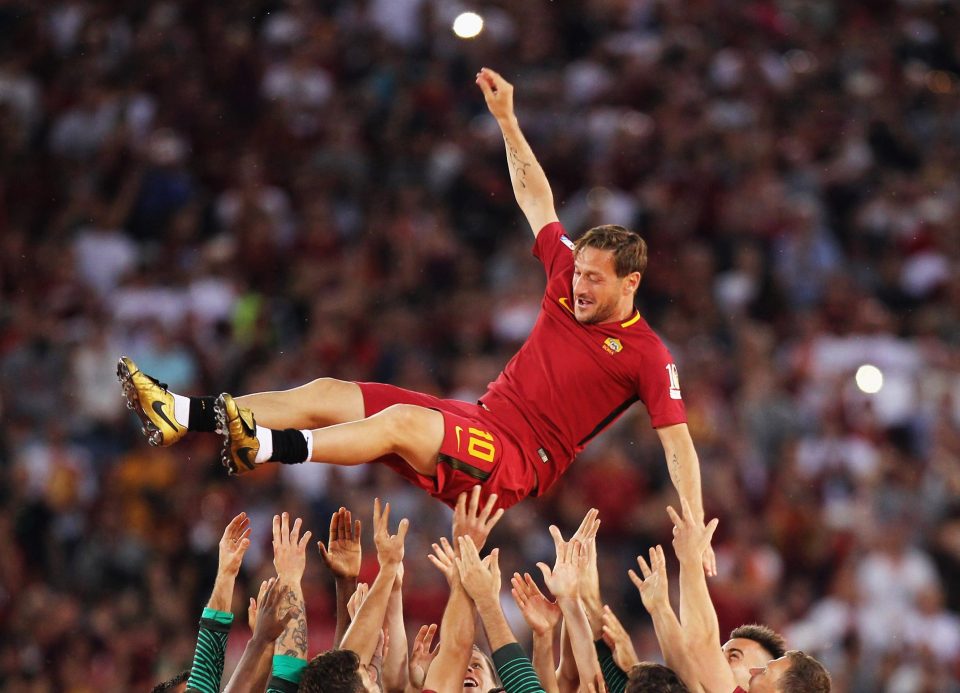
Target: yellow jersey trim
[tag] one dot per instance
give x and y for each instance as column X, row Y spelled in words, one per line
column 631, row 321
column 564, row 301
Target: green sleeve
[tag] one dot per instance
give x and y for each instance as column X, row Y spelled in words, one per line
column 515, row 670
column 207, row 669
column 613, row 676
column 287, row 672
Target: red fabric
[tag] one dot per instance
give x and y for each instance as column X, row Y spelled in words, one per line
column 566, row 383
column 471, row 440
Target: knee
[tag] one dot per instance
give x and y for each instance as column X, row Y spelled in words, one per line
column 403, row 423
column 327, row 387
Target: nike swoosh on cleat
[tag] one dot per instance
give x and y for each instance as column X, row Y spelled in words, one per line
column 158, row 408
column 244, row 455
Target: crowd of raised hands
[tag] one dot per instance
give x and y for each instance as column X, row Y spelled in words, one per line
column 370, row 650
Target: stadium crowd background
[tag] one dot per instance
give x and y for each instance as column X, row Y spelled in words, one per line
column 246, row 195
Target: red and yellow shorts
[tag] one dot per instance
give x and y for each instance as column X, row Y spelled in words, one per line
column 474, row 449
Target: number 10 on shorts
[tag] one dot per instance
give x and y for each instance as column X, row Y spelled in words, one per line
column 479, row 444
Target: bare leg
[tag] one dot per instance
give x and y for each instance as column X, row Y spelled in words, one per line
column 323, row 402
column 414, row 433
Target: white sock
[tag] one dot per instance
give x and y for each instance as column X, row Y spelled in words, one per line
column 181, row 409
column 265, row 436
column 309, row 436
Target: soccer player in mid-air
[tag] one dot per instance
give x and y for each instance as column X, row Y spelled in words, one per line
column 589, row 357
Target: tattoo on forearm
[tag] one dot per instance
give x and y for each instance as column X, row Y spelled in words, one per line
column 674, row 466
column 516, row 163
column 293, row 640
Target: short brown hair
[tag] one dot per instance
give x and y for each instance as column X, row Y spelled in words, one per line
column 647, row 677
column 333, row 671
column 805, row 675
column 629, row 249
column 764, row 636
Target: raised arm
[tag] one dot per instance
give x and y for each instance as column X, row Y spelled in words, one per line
column 684, row 467
column 699, row 618
column 365, row 630
column 217, row 618
column 395, row 663
column 249, row 676
column 530, row 185
column 457, row 629
column 564, row 581
column 343, row 556
column 654, row 592
column 542, row 616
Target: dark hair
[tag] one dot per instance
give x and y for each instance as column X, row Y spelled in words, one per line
column 629, row 249
column 647, row 677
column 764, row 636
column 805, row 675
column 175, row 681
column 333, row 671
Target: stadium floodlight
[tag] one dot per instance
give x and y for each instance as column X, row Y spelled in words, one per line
column 869, row 379
column 467, row 25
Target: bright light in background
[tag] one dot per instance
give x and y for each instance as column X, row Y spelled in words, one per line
column 467, row 25
column 869, row 379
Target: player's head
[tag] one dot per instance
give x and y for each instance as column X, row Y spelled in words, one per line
column 751, row 646
column 481, row 676
column 795, row 672
column 647, row 677
column 333, row 671
column 178, row 684
column 608, row 264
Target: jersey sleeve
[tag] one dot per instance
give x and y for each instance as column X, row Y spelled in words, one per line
column 613, row 676
column 659, row 386
column 515, row 671
column 208, row 656
column 554, row 249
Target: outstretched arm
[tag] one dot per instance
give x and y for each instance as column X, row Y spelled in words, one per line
column 684, row 467
column 457, row 629
column 207, row 669
column 365, row 630
column 342, row 556
column 530, row 185
column 699, row 618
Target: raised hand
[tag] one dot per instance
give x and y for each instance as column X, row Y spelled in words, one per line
column 564, row 578
column 357, row 598
column 469, row 520
column 691, row 539
column 444, row 558
column 270, row 623
column 254, row 606
column 617, row 638
column 541, row 615
column 653, row 586
column 497, row 92
column 342, row 552
column 389, row 546
column 480, row 578
column 234, row 544
column 289, row 549
column 422, row 655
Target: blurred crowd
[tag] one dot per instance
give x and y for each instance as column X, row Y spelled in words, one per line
column 244, row 196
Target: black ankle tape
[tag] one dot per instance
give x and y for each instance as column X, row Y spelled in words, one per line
column 289, row 447
column 202, row 416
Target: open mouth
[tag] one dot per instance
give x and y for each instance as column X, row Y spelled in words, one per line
column 471, row 682
column 583, row 302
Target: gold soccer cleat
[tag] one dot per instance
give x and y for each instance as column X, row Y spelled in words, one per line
column 240, row 444
column 150, row 400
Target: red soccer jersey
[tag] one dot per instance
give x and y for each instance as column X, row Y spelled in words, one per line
column 569, row 381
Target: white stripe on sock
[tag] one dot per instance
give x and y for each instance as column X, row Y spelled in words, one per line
column 265, row 436
column 309, row 436
column 181, row 409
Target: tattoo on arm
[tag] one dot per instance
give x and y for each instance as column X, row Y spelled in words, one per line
column 674, row 466
column 517, row 164
column 293, row 640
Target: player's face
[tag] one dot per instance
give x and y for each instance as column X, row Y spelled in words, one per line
column 479, row 678
column 598, row 293
column 743, row 655
column 766, row 679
